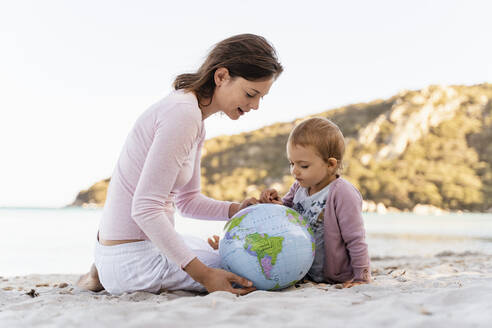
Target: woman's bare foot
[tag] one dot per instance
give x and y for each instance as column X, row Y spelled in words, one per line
column 90, row 281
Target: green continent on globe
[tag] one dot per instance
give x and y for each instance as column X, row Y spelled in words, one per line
column 265, row 248
column 234, row 223
column 295, row 218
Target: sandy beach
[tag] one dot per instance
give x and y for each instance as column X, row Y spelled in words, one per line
column 445, row 290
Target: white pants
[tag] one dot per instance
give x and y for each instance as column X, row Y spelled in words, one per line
column 140, row 266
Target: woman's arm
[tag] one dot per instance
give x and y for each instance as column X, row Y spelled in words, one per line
column 173, row 138
column 192, row 203
column 173, row 141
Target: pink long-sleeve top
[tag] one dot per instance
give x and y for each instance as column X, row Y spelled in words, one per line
column 158, row 168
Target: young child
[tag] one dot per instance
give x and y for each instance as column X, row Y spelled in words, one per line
column 331, row 204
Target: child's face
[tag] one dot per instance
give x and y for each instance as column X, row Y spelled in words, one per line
column 309, row 169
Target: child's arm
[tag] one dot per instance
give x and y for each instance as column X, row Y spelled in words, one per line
column 349, row 213
column 288, row 199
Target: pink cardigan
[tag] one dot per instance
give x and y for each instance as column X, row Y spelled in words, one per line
column 346, row 254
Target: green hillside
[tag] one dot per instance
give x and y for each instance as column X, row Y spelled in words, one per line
column 430, row 146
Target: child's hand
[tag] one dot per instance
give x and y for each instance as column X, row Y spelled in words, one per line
column 270, row 196
column 215, row 242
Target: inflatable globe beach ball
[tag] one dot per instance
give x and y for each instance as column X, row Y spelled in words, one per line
column 269, row 244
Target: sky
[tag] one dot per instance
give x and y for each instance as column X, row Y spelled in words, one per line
column 75, row 75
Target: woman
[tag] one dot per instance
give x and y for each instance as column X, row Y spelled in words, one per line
column 138, row 248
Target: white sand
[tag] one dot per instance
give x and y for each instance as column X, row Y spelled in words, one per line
column 447, row 290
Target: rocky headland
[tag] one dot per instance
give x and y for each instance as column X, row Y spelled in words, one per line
column 428, row 151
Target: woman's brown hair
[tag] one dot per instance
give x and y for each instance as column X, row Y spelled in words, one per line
column 249, row 56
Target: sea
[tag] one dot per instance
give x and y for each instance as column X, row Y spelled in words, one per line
column 46, row 241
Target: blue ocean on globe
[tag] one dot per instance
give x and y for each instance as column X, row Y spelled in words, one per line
column 271, row 245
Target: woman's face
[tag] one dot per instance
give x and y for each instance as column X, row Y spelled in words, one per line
column 237, row 96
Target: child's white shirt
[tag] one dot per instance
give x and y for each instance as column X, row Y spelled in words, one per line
column 312, row 208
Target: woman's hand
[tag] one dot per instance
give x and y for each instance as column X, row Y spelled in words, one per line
column 270, row 196
column 248, row 202
column 217, row 279
column 220, row 279
column 236, row 207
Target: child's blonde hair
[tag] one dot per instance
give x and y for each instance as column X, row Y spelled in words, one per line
column 321, row 134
